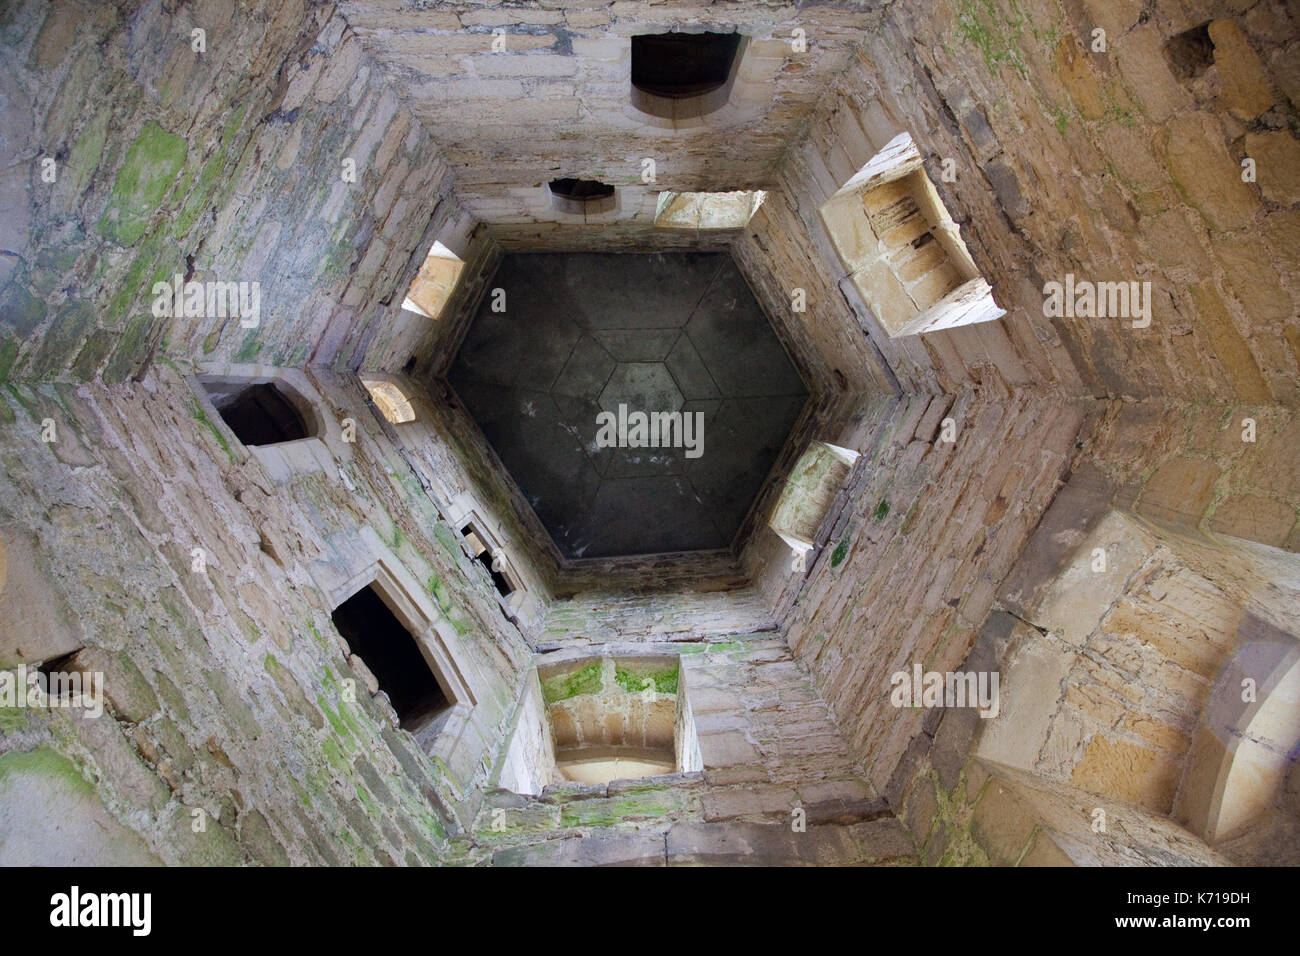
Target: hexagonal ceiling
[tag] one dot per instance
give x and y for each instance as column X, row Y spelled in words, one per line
column 585, row 333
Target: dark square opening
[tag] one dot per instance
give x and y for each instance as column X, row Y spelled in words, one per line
column 374, row 634
column 677, row 65
column 259, row 414
column 581, row 190
column 1191, row 52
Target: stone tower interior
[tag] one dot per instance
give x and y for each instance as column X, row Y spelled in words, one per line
column 987, row 311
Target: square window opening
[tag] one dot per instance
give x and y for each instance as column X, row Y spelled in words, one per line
column 489, row 558
column 432, row 286
column 258, row 414
column 712, row 210
column 680, row 65
column 902, row 249
column 374, row 634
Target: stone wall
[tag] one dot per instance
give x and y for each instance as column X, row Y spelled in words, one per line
column 1228, row 469
column 991, row 455
column 226, row 688
column 215, row 166
column 669, row 613
column 441, row 447
column 566, row 66
column 1002, row 817
column 1116, row 165
column 912, row 565
column 776, row 255
column 1107, row 674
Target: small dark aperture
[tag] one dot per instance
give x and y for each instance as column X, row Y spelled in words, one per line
column 484, row 557
column 261, row 415
column 1191, row 52
column 677, row 65
column 581, row 189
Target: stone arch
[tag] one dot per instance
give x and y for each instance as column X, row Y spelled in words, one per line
column 289, row 414
column 392, row 402
column 1247, row 744
column 617, row 718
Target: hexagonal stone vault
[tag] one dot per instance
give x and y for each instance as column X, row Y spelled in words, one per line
column 582, row 334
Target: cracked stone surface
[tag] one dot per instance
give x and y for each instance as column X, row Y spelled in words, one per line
column 669, row 332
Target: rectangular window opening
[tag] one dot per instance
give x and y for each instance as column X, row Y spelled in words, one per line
column 901, row 248
column 258, row 413
column 433, row 284
column 714, row 210
column 391, row 653
column 486, row 557
column 810, row 493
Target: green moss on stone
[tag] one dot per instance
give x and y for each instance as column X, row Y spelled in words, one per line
column 146, row 176
column 26, row 400
column 840, row 553
column 201, row 417
column 372, row 807
column 585, row 680
column 13, row 719
column 334, row 755
column 45, row 762
column 337, row 723
column 725, row 648
column 134, row 285
column 955, row 813
column 22, row 311
column 1120, row 114
column 438, row 589
column 130, row 349
column 250, row 347
column 93, row 353
column 204, row 188
column 635, row 681
column 8, row 355
column 172, row 697
column 62, row 339
column 84, row 157
column 995, row 32
column 882, row 509
column 232, row 126
column 650, row 804
column 447, row 538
